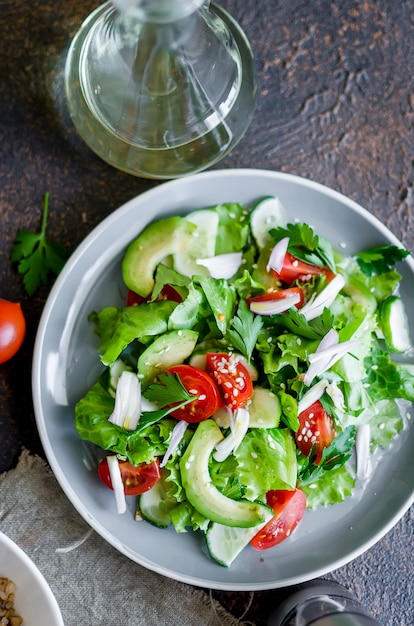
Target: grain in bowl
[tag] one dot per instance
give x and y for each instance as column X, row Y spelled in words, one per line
column 8, row 616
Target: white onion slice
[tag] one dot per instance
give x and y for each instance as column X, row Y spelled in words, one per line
column 117, row 484
column 312, row 395
column 314, row 307
column 277, row 255
column 176, row 436
column 127, row 410
column 332, row 352
column 222, row 265
column 239, row 425
column 328, row 352
column 273, row 307
column 362, row 444
column 336, row 395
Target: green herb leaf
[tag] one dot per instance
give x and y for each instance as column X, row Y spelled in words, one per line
column 36, row 258
column 305, row 245
column 333, row 456
column 245, row 331
column 169, row 390
column 380, row 260
column 296, row 323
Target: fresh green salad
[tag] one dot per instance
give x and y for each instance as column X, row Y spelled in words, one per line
column 251, row 374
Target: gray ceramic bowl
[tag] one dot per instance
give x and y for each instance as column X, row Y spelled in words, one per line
column 66, row 364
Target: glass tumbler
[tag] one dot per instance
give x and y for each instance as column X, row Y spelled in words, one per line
column 321, row 603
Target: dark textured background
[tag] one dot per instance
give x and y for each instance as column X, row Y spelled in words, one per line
column 335, row 104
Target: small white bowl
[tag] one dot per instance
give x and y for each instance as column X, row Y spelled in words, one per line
column 34, row 600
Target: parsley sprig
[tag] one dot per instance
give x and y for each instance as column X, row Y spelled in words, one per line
column 169, row 390
column 305, row 245
column 333, row 456
column 36, row 257
column 380, row 260
column 297, row 323
column 245, row 330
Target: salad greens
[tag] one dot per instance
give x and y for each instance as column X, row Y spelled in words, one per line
column 334, row 354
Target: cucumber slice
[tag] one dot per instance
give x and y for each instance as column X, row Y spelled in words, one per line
column 155, row 507
column 267, row 213
column 264, row 409
column 167, row 350
column 202, row 245
column 225, row 543
column 394, row 324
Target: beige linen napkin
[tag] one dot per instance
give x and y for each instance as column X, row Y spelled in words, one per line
column 93, row 583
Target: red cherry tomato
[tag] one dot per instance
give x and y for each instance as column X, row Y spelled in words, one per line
column 294, row 269
column 288, row 507
column 198, row 383
column 137, row 479
column 315, row 429
column 12, row 329
column 232, row 377
column 281, row 294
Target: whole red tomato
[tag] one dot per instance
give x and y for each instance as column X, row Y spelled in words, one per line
column 12, row 329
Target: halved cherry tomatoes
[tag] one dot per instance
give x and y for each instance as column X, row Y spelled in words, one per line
column 198, row 383
column 295, row 269
column 315, row 429
column 12, row 329
column 137, row 479
column 281, row 294
column 232, row 377
column 288, row 507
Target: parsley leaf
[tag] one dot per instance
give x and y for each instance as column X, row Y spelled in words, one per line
column 305, row 245
column 333, row 456
column 35, row 256
column 169, row 390
column 296, row 322
column 380, row 260
column 245, row 331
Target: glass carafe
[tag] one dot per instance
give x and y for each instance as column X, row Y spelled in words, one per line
column 160, row 88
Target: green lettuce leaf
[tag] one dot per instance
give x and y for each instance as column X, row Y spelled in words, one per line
column 148, row 440
column 266, row 460
column 331, row 487
column 221, row 298
column 233, row 229
column 117, row 328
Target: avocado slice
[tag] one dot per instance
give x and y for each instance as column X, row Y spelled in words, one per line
column 201, row 492
column 158, row 240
